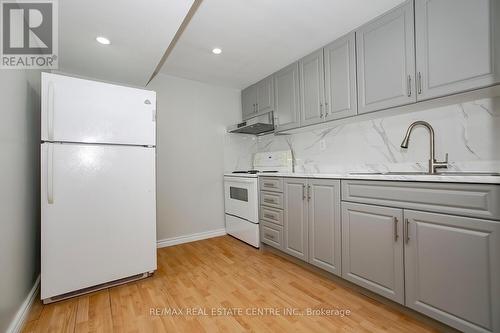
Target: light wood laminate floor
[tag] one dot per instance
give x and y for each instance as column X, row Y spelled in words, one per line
column 220, row 274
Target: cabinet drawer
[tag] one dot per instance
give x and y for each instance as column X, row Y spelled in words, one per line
column 271, row 234
column 271, row 199
column 475, row 200
column 271, row 215
column 271, row 184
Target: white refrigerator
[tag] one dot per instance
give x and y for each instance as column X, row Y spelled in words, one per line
column 98, row 201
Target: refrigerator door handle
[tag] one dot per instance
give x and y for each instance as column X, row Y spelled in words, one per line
column 50, row 174
column 50, row 111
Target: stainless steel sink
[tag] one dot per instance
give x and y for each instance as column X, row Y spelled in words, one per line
column 418, row 173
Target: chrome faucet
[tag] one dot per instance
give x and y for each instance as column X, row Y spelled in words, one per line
column 433, row 164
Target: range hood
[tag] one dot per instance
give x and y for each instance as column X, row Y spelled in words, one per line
column 258, row 125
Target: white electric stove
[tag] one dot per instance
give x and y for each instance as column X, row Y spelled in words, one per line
column 241, row 192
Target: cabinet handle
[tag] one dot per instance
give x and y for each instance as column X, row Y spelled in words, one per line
column 268, row 184
column 396, row 236
column 308, row 192
column 269, row 200
column 419, row 83
column 409, row 85
column 321, row 110
column 269, row 236
column 256, row 107
column 303, row 192
column 407, row 230
column 326, row 109
column 269, row 216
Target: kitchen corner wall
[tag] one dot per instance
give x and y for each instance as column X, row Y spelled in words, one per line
column 19, row 189
column 469, row 132
column 192, row 121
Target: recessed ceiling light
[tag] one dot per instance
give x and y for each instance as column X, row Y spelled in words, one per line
column 103, row 40
column 216, row 51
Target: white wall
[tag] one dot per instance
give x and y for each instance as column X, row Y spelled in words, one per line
column 469, row 132
column 192, row 121
column 19, row 189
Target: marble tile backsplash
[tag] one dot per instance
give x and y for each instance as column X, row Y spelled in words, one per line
column 468, row 132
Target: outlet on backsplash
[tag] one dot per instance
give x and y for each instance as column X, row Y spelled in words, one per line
column 322, row 144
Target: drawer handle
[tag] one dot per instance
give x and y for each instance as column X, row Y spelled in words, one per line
column 269, row 236
column 269, row 216
column 269, row 200
column 269, row 185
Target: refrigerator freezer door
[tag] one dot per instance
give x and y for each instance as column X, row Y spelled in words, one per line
column 77, row 110
column 98, row 215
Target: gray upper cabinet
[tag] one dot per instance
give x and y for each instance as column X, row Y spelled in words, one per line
column 372, row 249
column 452, row 270
column 249, row 102
column 340, row 78
column 295, row 220
column 419, row 50
column 265, row 95
column 324, row 224
column 312, row 88
column 454, row 46
column 386, row 60
column 258, row 98
column 286, row 93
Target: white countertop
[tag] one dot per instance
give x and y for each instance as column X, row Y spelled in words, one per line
column 474, row 179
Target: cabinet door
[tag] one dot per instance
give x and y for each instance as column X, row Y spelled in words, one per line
column 454, row 46
column 265, row 95
column 249, row 102
column 372, row 249
column 286, row 93
column 340, row 78
column 295, row 222
column 386, row 60
column 452, row 270
column 78, row 110
column 312, row 88
column 94, row 212
column 324, row 224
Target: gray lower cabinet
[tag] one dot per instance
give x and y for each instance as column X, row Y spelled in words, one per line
column 312, row 222
column 271, row 234
column 340, row 78
column 455, row 46
column 386, row 60
column 295, row 218
column 286, row 95
column 312, row 88
column 452, row 269
column 372, row 249
column 325, row 224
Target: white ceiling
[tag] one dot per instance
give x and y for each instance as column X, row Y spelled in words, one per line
column 258, row 37
column 140, row 31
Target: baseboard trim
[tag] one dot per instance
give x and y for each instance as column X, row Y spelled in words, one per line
column 190, row 238
column 22, row 314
